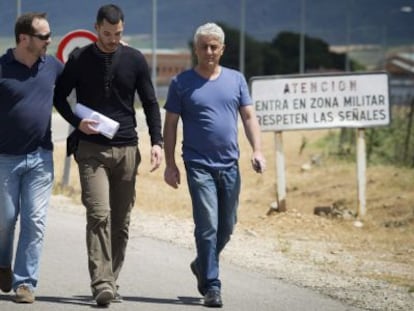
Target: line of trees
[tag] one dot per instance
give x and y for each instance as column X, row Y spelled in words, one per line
column 281, row 55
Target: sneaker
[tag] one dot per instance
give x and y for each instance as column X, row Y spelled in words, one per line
column 24, row 294
column 117, row 298
column 104, row 297
column 195, row 271
column 6, row 279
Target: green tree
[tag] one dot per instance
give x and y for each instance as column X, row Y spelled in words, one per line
column 317, row 53
column 280, row 56
column 272, row 60
column 254, row 56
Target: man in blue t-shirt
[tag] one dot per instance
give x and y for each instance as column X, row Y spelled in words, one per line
column 27, row 79
column 209, row 98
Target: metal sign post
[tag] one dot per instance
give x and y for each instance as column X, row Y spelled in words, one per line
column 361, row 172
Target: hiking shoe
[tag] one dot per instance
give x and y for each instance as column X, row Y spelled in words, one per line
column 6, row 279
column 24, row 294
column 195, row 271
column 104, row 297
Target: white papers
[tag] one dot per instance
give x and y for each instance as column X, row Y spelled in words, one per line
column 106, row 126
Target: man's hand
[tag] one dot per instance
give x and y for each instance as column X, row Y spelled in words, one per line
column 156, row 157
column 172, row 176
column 258, row 162
column 88, row 126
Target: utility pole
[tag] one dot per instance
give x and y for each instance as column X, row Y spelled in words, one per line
column 154, row 45
column 18, row 7
column 348, row 35
column 242, row 35
column 302, row 36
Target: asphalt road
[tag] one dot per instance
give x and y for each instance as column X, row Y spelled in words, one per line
column 156, row 276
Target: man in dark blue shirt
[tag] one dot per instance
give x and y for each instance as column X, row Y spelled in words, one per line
column 27, row 79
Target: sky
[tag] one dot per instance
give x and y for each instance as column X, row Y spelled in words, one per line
column 335, row 21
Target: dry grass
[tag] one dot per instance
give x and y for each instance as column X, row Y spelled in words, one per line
column 381, row 249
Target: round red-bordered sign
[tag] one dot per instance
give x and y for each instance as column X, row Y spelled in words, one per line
column 74, row 39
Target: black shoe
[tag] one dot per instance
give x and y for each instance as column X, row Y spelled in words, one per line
column 194, row 269
column 6, row 278
column 213, row 299
column 104, row 297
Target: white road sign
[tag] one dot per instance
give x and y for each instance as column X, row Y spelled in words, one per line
column 72, row 40
column 321, row 101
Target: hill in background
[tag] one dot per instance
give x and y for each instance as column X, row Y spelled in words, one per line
column 365, row 22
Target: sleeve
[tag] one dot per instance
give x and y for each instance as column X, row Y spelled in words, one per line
column 172, row 103
column 149, row 102
column 64, row 85
column 245, row 98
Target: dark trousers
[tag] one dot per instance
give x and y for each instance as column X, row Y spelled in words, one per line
column 107, row 175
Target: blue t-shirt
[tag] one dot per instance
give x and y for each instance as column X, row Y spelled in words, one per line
column 209, row 111
column 26, row 100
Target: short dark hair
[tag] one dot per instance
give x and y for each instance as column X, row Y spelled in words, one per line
column 24, row 24
column 111, row 13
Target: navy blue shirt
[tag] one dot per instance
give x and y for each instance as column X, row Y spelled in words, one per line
column 26, row 100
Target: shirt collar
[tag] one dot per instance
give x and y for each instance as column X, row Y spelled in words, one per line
column 10, row 57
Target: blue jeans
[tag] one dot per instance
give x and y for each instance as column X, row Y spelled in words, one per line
column 25, row 188
column 215, row 198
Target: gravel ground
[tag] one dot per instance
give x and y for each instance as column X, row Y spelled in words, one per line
column 248, row 250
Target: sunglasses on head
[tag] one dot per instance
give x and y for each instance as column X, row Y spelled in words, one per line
column 40, row 36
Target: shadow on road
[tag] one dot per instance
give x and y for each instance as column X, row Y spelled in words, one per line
column 87, row 301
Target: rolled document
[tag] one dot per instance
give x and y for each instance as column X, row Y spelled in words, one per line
column 106, row 126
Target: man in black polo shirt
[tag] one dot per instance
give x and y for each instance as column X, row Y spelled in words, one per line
column 27, row 79
column 106, row 76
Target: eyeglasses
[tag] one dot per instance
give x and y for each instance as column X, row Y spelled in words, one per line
column 40, row 36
